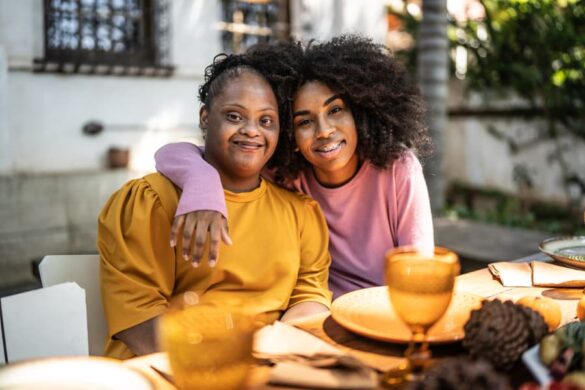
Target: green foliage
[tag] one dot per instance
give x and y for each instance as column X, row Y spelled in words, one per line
column 535, row 48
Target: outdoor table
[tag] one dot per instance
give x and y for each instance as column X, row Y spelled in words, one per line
column 383, row 355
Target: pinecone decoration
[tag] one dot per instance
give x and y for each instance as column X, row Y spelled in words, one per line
column 501, row 331
column 461, row 374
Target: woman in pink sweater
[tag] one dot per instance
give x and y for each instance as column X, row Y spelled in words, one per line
column 352, row 132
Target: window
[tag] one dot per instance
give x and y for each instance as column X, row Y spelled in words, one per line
column 106, row 37
column 247, row 22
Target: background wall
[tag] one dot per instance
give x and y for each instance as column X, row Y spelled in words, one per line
column 54, row 178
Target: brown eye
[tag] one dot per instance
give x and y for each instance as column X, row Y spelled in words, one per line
column 233, row 117
column 335, row 110
column 302, row 123
column 266, row 121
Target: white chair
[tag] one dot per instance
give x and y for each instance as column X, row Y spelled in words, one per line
column 49, row 321
column 84, row 270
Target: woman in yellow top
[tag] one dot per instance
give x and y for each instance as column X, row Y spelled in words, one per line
column 279, row 260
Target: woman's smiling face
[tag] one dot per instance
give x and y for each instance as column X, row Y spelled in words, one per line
column 241, row 130
column 325, row 133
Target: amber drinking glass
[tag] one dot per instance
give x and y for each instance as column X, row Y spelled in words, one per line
column 209, row 347
column 420, row 287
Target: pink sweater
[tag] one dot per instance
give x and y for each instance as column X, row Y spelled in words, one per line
column 377, row 210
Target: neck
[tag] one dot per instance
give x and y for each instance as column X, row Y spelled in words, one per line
column 338, row 177
column 235, row 183
column 238, row 184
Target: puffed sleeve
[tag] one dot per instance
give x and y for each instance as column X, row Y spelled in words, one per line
column 137, row 265
column 312, row 282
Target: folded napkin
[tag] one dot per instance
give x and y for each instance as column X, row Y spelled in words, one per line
column 537, row 273
column 512, row 274
column 301, row 359
column 551, row 275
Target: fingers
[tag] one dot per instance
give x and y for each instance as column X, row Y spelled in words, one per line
column 199, row 238
column 188, row 228
column 176, row 228
column 195, row 228
column 214, row 235
column 225, row 233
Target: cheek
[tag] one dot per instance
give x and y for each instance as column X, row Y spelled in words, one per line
column 301, row 139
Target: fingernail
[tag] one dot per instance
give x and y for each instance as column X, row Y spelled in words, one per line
column 195, row 264
column 229, row 241
column 173, row 243
column 186, row 257
column 212, row 263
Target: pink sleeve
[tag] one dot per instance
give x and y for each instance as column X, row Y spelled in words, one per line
column 184, row 165
column 415, row 220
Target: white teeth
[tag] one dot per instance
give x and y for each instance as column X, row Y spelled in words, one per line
column 330, row 147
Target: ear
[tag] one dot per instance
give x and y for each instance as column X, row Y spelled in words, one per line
column 203, row 119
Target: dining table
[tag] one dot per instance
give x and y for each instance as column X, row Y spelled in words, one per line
column 381, row 355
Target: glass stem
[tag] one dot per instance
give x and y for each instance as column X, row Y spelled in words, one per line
column 418, row 352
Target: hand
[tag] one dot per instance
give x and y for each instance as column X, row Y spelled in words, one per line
column 194, row 227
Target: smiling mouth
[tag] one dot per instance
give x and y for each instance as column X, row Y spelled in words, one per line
column 248, row 145
column 329, row 149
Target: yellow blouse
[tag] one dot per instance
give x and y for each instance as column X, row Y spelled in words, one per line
column 278, row 259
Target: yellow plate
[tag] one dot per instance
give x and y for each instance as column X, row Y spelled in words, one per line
column 368, row 312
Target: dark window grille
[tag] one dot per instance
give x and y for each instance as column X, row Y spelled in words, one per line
column 106, row 36
column 247, row 22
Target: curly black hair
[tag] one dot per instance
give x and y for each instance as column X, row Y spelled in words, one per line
column 386, row 105
column 274, row 63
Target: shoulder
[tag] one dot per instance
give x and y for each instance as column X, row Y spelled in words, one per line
column 407, row 162
column 289, row 196
column 146, row 192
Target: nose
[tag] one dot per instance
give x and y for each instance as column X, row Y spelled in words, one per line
column 251, row 129
column 324, row 127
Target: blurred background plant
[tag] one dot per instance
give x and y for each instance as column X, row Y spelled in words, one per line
column 533, row 50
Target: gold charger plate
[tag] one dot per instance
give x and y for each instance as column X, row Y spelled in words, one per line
column 569, row 250
column 368, row 312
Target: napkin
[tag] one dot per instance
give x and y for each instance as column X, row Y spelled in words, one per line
column 301, row 359
column 512, row 274
column 537, row 273
column 551, row 275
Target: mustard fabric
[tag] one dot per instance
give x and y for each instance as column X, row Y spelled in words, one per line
column 279, row 256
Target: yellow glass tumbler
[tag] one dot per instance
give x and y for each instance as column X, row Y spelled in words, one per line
column 208, row 347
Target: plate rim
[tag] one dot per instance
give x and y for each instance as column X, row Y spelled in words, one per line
column 90, row 358
column 563, row 259
column 358, row 330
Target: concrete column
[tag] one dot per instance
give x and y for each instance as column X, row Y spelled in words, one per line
column 5, row 139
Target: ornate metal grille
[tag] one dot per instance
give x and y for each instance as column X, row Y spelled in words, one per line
column 247, row 22
column 106, row 36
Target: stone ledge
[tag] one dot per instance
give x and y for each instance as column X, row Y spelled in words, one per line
column 486, row 243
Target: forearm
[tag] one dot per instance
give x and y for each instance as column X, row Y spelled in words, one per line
column 141, row 339
column 303, row 309
column 183, row 164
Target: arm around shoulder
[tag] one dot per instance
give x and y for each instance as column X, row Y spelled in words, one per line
column 184, row 165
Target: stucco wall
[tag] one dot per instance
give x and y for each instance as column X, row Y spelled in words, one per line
column 473, row 155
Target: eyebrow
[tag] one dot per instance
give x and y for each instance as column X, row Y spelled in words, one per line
column 246, row 108
column 326, row 102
